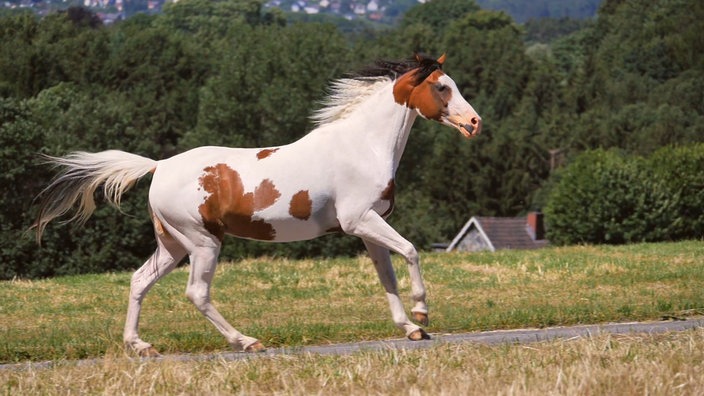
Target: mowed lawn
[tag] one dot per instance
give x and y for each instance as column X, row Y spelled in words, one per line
column 319, row 301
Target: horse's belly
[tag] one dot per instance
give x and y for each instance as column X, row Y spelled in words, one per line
column 295, row 224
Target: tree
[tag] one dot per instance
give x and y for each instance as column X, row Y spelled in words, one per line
column 607, row 197
column 438, row 14
column 267, row 83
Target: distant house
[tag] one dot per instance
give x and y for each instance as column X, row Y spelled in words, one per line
column 496, row 233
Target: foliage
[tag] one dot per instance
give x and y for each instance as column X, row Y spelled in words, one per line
column 231, row 72
column 547, row 30
column 606, row 197
column 523, row 11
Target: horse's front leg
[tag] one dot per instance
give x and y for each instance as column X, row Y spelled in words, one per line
column 382, row 262
column 379, row 237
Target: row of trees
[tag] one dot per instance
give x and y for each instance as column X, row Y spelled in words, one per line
column 232, row 73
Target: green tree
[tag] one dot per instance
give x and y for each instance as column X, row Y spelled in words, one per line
column 607, row 197
column 210, row 20
column 36, row 54
column 266, row 84
column 20, row 140
column 637, row 48
column 158, row 74
column 438, row 14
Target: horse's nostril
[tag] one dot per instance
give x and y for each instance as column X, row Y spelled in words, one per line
column 474, row 120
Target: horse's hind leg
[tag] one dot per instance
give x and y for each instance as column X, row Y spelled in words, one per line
column 203, row 263
column 168, row 253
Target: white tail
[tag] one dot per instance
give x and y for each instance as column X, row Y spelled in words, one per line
column 82, row 174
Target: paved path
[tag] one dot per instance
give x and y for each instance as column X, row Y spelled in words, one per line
column 522, row 336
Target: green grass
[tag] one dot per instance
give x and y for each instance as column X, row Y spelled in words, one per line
column 306, row 302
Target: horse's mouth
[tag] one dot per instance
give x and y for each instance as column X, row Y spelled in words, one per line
column 468, row 129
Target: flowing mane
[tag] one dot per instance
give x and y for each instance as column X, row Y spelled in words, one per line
column 347, row 92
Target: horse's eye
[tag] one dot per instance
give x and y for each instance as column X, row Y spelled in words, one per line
column 441, row 87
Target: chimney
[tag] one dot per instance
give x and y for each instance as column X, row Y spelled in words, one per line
column 535, row 226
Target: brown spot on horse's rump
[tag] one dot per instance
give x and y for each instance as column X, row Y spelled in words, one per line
column 265, row 153
column 228, row 209
column 301, row 205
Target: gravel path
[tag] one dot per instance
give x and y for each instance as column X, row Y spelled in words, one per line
column 522, row 336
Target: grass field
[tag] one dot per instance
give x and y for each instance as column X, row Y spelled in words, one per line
column 669, row 364
column 288, row 303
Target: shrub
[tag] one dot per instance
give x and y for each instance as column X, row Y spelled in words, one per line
column 606, row 197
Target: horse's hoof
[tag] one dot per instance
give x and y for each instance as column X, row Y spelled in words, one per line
column 418, row 335
column 421, row 318
column 256, row 347
column 149, row 352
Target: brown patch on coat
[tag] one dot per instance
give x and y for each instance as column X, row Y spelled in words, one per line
column 389, row 195
column 265, row 153
column 429, row 97
column 265, row 195
column 228, row 209
column 158, row 227
column 301, row 205
column 404, row 87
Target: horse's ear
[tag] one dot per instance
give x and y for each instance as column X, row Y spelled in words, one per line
column 419, row 58
column 441, row 59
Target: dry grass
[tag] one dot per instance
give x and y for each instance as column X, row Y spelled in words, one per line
column 286, row 302
column 669, row 364
column 308, row 302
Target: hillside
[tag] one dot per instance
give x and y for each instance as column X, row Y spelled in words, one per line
column 381, row 11
column 522, row 11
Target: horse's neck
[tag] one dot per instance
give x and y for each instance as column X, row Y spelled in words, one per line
column 381, row 125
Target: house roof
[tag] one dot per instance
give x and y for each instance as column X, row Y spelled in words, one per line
column 500, row 233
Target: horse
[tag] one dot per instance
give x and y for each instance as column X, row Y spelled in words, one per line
column 339, row 177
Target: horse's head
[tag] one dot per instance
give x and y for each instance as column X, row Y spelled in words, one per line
column 435, row 96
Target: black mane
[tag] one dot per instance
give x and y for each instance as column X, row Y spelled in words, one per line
column 424, row 65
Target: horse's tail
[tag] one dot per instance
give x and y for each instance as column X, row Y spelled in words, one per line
column 82, row 173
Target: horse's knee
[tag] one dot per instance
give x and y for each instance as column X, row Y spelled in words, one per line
column 410, row 253
column 198, row 295
column 139, row 285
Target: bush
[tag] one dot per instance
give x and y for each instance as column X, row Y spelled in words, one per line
column 606, row 197
column 681, row 170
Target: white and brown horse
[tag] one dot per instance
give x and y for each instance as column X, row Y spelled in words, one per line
column 339, row 177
